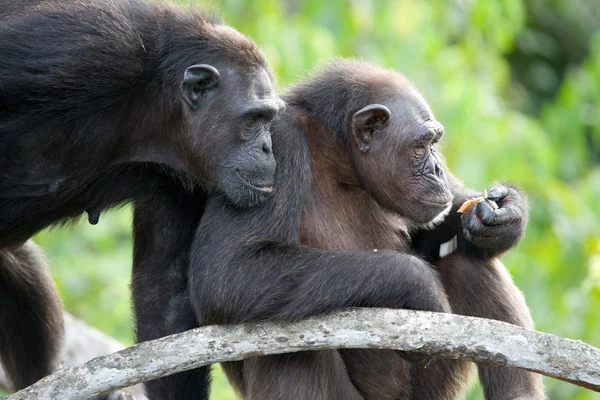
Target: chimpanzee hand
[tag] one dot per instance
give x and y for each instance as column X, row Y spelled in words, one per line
column 496, row 231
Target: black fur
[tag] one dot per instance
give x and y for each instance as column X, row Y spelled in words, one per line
column 99, row 105
column 31, row 313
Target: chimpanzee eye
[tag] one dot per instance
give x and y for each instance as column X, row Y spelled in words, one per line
column 421, row 151
column 252, row 124
column 258, row 117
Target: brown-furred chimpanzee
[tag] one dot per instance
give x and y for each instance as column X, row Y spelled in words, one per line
column 367, row 167
column 357, row 171
column 104, row 101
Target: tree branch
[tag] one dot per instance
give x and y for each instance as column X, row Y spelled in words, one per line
column 484, row 341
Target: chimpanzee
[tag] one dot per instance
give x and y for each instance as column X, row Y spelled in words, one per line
column 101, row 102
column 358, row 172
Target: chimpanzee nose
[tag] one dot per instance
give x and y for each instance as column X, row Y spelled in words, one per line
column 438, row 170
column 267, row 149
column 433, row 166
column 267, row 146
column 262, row 171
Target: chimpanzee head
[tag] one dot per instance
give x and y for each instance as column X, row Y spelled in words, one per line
column 229, row 105
column 393, row 145
column 388, row 131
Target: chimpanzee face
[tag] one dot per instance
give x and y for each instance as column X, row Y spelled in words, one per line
column 229, row 138
column 394, row 150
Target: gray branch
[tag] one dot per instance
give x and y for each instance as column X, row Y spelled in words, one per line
column 484, row 341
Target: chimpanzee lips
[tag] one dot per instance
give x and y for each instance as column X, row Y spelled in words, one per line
column 264, row 187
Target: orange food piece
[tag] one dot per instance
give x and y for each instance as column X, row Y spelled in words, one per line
column 470, row 203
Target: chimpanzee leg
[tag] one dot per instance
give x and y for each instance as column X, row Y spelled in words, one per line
column 31, row 316
column 484, row 288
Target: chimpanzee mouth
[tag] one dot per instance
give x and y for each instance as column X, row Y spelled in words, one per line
column 243, row 191
column 258, row 186
column 264, row 188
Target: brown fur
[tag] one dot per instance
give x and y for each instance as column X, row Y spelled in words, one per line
column 376, row 176
column 342, row 215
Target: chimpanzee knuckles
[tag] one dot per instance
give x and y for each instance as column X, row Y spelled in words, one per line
column 497, row 193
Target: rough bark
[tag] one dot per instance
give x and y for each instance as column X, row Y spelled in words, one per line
column 484, row 341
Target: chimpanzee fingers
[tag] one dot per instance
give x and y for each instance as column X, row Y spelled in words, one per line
column 501, row 216
column 470, row 220
column 497, row 193
column 485, row 232
column 486, row 227
column 485, row 213
column 480, row 217
column 492, row 238
column 512, row 196
column 491, row 244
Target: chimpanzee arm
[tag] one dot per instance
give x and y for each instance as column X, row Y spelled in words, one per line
column 32, row 331
column 480, row 232
column 238, row 283
column 164, row 224
column 480, row 286
column 248, row 264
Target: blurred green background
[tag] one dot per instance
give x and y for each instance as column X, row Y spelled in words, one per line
column 516, row 84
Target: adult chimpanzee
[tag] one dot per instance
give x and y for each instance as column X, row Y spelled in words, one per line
column 101, row 102
column 364, row 137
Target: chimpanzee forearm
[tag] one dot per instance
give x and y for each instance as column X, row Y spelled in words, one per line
column 362, row 280
column 293, row 282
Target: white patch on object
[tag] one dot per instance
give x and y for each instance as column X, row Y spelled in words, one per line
column 448, row 247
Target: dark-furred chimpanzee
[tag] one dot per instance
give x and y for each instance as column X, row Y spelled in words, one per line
column 357, row 171
column 102, row 101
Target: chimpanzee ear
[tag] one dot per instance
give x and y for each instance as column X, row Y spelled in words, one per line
column 197, row 81
column 366, row 121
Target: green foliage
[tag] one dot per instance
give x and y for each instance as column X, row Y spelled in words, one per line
column 516, row 84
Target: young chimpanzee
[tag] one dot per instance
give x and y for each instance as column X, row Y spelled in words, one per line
column 101, row 102
column 357, row 171
column 371, row 164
